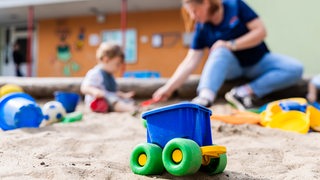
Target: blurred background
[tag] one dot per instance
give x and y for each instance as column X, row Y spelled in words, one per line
column 58, row 38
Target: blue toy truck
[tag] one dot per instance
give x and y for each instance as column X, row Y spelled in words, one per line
column 178, row 140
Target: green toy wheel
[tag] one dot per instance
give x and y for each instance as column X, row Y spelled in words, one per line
column 216, row 165
column 182, row 157
column 146, row 159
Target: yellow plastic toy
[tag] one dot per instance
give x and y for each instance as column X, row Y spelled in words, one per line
column 274, row 108
column 9, row 88
column 295, row 121
column 291, row 120
column 314, row 118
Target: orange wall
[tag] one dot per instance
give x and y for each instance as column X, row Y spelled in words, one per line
column 164, row 60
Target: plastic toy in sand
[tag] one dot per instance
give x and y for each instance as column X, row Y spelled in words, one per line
column 99, row 105
column 9, row 88
column 53, row 111
column 179, row 141
column 19, row 110
column 149, row 102
column 314, row 115
column 141, row 74
column 72, row 117
column 293, row 114
column 238, row 117
column 69, row 100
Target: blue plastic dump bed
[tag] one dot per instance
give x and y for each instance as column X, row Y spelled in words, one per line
column 183, row 120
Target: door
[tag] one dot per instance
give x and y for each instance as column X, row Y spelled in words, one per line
column 19, row 35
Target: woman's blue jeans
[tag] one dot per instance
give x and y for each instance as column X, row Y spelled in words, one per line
column 271, row 73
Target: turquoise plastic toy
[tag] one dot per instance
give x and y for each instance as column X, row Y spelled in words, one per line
column 19, row 110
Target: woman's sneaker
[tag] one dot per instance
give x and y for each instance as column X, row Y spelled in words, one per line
column 202, row 101
column 241, row 103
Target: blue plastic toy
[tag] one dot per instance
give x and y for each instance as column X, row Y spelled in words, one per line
column 316, row 105
column 18, row 110
column 69, row 100
column 292, row 105
column 178, row 140
column 141, row 74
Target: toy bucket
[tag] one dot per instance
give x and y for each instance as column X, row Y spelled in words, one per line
column 69, row 100
column 9, row 88
column 19, row 110
column 182, row 120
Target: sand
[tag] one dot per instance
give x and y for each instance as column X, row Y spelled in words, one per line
column 99, row 147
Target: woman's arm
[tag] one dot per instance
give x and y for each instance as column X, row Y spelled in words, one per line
column 257, row 33
column 186, row 67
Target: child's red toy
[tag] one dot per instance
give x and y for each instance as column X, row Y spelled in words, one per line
column 99, row 105
column 149, row 102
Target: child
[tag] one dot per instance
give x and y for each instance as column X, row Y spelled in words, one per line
column 99, row 81
column 313, row 87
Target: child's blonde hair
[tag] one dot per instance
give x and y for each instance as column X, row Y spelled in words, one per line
column 110, row 50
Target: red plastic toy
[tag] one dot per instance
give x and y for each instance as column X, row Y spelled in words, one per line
column 99, row 105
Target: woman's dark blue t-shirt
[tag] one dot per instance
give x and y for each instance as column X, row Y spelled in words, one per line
column 236, row 15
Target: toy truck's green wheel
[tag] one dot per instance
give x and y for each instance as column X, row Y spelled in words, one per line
column 146, row 159
column 182, row 157
column 216, row 165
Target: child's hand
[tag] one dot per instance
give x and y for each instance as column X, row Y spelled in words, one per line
column 97, row 93
column 311, row 97
column 128, row 95
column 312, row 93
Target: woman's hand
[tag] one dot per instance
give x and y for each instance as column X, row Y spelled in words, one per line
column 162, row 94
column 186, row 67
column 221, row 43
column 254, row 37
column 311, row 97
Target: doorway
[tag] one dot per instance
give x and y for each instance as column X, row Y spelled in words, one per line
column 19, row 35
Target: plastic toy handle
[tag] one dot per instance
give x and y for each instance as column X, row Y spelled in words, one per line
column 149, row 102
column 213, row 151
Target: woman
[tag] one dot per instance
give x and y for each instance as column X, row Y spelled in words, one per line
column 235, row 35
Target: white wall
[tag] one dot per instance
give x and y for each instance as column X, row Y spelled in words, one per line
column 293, row 29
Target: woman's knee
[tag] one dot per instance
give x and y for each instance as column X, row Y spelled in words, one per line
column 221, row 54
column 292, row 67
column 296, row 70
